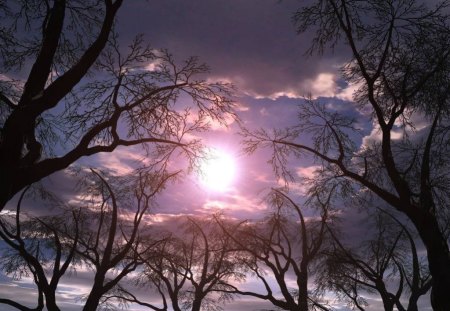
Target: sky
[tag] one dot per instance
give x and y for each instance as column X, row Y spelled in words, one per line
column 254, row 45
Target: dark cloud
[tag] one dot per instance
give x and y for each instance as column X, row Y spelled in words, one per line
column 252, row 43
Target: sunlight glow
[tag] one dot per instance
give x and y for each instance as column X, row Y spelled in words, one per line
column 218, row 171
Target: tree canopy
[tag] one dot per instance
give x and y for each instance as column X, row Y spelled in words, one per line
column 85, row 94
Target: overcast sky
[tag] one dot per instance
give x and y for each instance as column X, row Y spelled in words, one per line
column 252, row 44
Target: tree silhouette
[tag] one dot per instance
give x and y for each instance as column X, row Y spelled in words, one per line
column 111, row 238
column 33, row 245
column 83, row 93
column 191, row 269
column 105, row 234
column 400, row 66
column 283, row 248
column 387, row 263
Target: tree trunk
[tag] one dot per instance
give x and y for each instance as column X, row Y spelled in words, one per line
column 412, row 306
column 175, row 305
column 93, row 300
column 438, row 259
column 303, row 291
column 7, row 178
column 197, row 303
column 388, row 304
column 386, row 298
column 439, row 264
column 50, row 301
column 95, row 295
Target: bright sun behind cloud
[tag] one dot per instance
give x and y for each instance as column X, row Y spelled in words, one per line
column 218, row 171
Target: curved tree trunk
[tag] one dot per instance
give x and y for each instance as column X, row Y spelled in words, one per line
column 93, row 300
column 95, row 295
column 438, row 259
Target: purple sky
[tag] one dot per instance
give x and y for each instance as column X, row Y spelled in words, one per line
column 252, row 44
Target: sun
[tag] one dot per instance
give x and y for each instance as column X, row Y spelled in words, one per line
column 218, row 171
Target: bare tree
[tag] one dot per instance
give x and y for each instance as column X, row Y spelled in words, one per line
column 105, row 234
column 85, row 94
column 164, row 271
column 283, row 248
column 400, row 65
column 40, row 247
column 111, row 234
column 191, row 269
column 212, row 265
column 387, row 263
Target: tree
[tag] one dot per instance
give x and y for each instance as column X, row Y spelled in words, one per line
column 282, row 248
column 105, row 234
column 164, row 271
column 387, row 263
column 33, row 245
column 188, row 268
column 211, row 265
column 111, row 238
column 400, row 65
column 84, row 93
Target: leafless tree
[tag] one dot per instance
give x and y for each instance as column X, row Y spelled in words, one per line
column 105, row 234
column 387, row 263
column 400, row 65
column 192, row 269
column 88, row 96
column 111, row 235
column 285, row 245
column 163, row 272
column 40, row 247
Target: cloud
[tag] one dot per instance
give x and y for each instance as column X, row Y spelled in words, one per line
column 307, row 171
column 252, row 44
column 376, row 135
column 235, row 204
column 120, row 162
column 323, row 85
column 300, row 188
column 13, row 289
column 346, row 93
column 240, row 106
column 223, row 125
